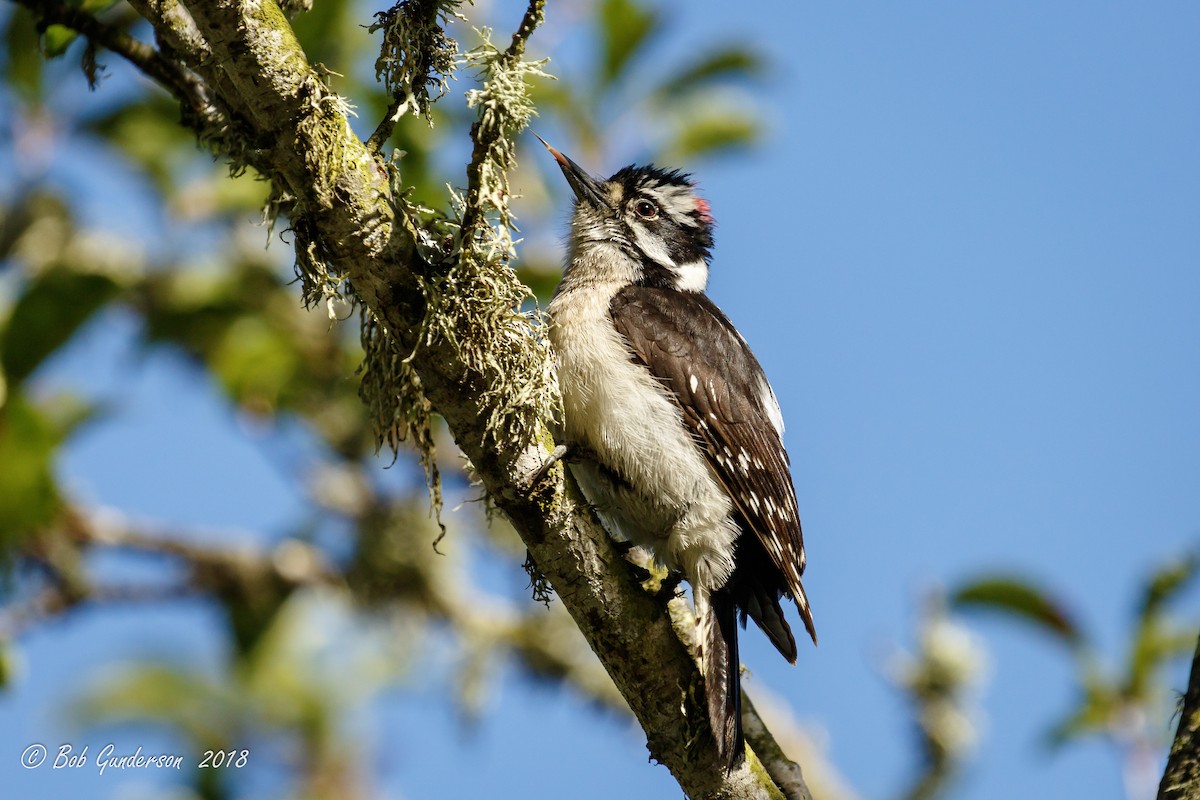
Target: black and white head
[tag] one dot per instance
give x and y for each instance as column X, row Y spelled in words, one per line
column 644, row 225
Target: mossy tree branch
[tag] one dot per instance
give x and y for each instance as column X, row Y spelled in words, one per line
column 172, row 75
column 351, row 225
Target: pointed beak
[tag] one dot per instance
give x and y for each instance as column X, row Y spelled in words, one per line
column 586, row 188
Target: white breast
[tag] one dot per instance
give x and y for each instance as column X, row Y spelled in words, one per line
column 669, row 501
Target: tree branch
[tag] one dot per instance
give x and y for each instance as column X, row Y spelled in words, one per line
column 785, row 772
column 174, row 27
column 1181, row 779
column 488, row 132
column 55, row 601
column 415, row 52
column 289, row 565
column 185, row 85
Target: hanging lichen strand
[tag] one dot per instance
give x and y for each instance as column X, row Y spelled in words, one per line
column 473, row 299
column 481, row 306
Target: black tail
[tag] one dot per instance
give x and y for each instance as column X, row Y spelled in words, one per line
column 757, row 587
column 719, row 657
column 762, row 605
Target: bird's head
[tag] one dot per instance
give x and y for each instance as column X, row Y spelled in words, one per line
column 653, row 217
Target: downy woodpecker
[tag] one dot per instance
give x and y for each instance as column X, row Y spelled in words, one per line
column 675, row 432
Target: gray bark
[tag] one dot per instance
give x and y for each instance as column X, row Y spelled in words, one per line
column 1181, row 779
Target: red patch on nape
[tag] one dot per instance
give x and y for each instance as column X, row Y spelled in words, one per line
column 702, row 208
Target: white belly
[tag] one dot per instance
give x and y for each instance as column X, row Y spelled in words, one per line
column 648, row 481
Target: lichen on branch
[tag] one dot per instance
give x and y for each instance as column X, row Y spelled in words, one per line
column 480, row 301
column 505, row 109
column 474, row 305
column 416, row 56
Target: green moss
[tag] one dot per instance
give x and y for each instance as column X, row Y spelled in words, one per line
column 761, row 776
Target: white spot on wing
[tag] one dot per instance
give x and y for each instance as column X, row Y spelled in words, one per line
column 767, row 396
column 692, row 382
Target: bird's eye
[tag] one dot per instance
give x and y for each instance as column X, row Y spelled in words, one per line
column 645, row 209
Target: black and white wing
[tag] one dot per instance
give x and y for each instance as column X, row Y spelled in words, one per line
column 689, row 345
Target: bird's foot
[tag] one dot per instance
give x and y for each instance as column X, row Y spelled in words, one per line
column 654, row 578
column 559, row 453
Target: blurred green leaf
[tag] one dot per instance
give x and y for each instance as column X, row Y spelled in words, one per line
column 57, row 39
column 243, row 324
column 332, row 32
column 703, row 136
column 48, row 313
column 23, row 62
column 1157, row 639
column 193, row 307
column 148, row 133
column 156, row 692
column 1155, row 643
column 1018, row 598
column 40, row 236
column 725, row 63
column 94, row 6
column 29, row 496
column 1166, row 583
column 7, row 663
column 625, row 27
column 24, row 211
column 541, row 277
column 256, row 362
column 1095, row 713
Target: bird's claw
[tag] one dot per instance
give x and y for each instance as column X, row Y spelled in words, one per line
column 559, row 453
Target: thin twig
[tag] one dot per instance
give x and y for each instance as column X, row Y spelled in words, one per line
column 414, row 52
column 487, row 132
column 291, row 563
column 785, row 772
column 56, row 601
column 186, row 85
column 534, row 14
column 383, row 131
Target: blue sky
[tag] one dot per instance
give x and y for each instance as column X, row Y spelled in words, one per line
column 967, row 256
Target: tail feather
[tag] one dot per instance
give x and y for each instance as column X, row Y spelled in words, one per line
column 763, row 607
column 720, row 664
column 805, row 612
column 758, row 586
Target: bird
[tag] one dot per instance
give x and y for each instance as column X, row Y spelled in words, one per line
column 674, row 433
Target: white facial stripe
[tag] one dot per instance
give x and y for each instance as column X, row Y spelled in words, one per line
column 692, row 276
column 678, row 202
column 652, row 246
